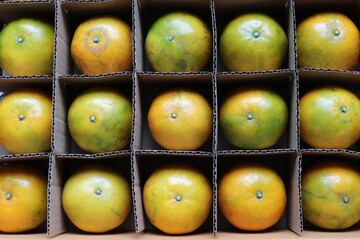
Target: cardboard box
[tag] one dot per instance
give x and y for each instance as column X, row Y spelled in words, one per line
column 142, row 84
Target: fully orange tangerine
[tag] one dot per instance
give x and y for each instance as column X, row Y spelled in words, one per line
column 328, row 40
column 25, row 121
column 180, row 119
column 102, row 44
column 252, row 196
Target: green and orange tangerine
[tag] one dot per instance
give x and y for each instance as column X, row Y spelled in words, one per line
column 27, row 46
column 253, row 42
column 178, row 42
column 328, row 40
column 253, row 117
column 100, row 120
column 329, row 117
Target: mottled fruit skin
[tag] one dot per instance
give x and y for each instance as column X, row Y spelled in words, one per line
column 252, row 196
column 178, row 42
column 253, row 42
column 27, row 46
column 328, row 40
column 100, row 120
column 25, row 121
column 102, row 44
column 23, row 197
column 180, row 119
column 253, row 117
column 97, row 198
column 329, row 117
column 177, row 198
column 331, row 194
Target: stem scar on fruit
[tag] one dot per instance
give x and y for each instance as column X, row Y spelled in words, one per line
column 346, row 199
column 344, row 109
column 22, row 117
column 256, row 34
column 20, row 39
column 337, row 32
column 96, row 40
column 8, row 196
column 92, row 118
column 174, row 115
column 170, row 38
column 97, row 191
column 250, row 116
column 178, row 198
column 259, row 195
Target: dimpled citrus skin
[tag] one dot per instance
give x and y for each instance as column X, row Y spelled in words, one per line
column 23, row 198
column 26, row 47
column 253, row 117
column 180, row 119
column 100, row 120
column 102, row 45
column 329, row 117
column 178, row 42
column 177, row 198
column 328, row 40
column 25, row 121
column 252, row 196
column 253, row 42
column 331, row 194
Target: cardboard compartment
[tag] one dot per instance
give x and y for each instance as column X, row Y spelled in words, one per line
column 308, row 159
column 312, row 78
column 149, row 85
column 280, row 10
column 306, row 8
column 282, row 81
column 41, row 163
column 148, row 11
column 287, row 165
column 145, row 162
column 71, row 14
column 62, row 166
column 9, row 84
column 12, row 10
column 67, row 88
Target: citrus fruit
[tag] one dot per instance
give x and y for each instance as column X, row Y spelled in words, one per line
column 253, row 117
column 252, row 196
column 25, row 121
column 27, row 46
column 102, row 44
column 23, row 197
column 100, row 120
column 328, row 40
column 329, row 117
column 177, row 198
column 253, row 42
column 96, row 198
column 331, row 194
column 178, row 42
column 180, row 119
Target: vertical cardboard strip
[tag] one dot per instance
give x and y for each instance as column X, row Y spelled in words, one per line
column 56, row 221
column 294, row 219
column 138, row 37
column 136, row 190
column 290, row 5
